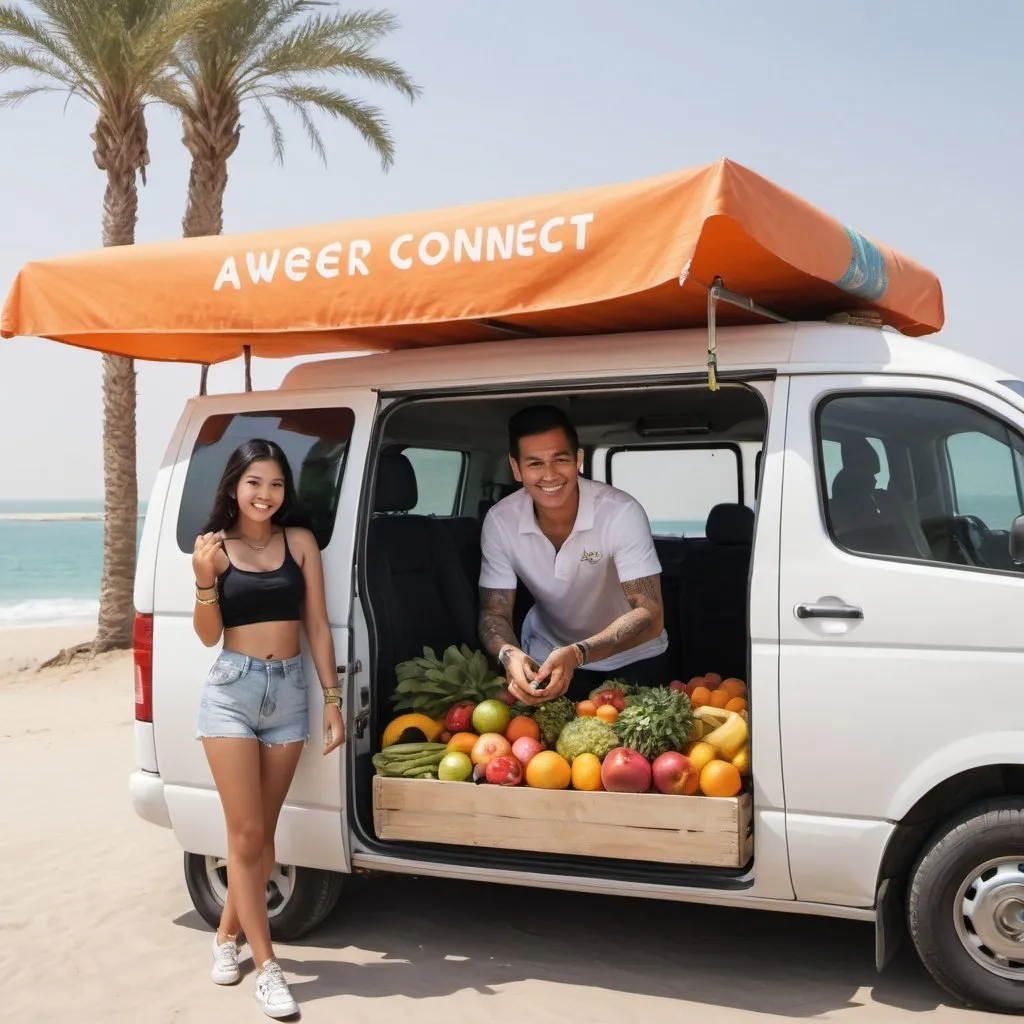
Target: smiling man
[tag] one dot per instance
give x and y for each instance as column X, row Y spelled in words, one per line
column 584, row 549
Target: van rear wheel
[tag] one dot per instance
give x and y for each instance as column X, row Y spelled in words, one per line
column 298, row 899
column 966, row 906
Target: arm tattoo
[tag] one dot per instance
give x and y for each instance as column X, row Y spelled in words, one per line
column 495, row 623
column 644, row 596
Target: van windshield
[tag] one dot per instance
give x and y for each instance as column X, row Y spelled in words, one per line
column 1017, row 386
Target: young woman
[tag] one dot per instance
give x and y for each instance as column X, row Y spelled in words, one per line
column 257, row 578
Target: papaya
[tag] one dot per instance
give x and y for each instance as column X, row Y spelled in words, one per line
column 411, row 728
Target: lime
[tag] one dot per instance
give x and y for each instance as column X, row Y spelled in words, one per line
column 491, row 716
column 455, row 767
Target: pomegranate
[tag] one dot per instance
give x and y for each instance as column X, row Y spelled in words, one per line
column 673, row 772
column 617, row 699
column 526, row 747
column 459, row 717
column 504, row 771
column 626, row 771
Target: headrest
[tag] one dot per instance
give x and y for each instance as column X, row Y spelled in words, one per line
column 396, row 484
column 860, row 457
column 730, row 524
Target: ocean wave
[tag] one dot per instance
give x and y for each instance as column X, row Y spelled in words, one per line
column 57, row 611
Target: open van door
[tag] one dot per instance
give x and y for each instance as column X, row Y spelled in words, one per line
column 325, row 436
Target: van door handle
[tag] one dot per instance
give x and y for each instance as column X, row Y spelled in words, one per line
column 828, row 611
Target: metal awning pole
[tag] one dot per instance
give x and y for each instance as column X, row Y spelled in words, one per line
column 247, row 357
column 203, row 374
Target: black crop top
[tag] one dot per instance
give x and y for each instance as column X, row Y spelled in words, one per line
column 275, row 596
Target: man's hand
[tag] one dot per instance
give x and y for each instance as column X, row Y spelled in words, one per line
column 520, row 671
column 556, row 673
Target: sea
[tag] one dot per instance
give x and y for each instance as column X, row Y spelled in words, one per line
column 51, row 561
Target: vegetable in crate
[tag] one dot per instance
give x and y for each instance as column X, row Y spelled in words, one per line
column 552, row 717
column 431, row 686
column 655, row 720
column 586, row 736
column 410, row 760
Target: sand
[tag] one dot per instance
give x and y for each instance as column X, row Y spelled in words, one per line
column 96, row 924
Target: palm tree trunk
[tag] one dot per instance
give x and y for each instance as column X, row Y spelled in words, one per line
column 120, row 481
column 204, row 208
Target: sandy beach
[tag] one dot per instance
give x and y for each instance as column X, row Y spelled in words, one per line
column 96, row 924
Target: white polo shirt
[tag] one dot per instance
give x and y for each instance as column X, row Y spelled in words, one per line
column 577, row 590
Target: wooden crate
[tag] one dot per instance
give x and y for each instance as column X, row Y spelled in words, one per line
column 693, row 830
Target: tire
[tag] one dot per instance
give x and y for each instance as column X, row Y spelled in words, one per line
column 966, row 906
column 298, row 899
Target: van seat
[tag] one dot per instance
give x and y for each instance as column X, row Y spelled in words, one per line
column 419, row 594
column 463, row 532
column 714, row 588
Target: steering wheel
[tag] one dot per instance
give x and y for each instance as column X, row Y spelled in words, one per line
column 973, row 532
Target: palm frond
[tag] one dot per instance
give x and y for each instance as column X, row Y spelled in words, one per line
column 276, row 134
column 367, row 119
column 15, row 97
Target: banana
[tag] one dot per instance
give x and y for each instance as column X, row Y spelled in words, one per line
column 729, row 736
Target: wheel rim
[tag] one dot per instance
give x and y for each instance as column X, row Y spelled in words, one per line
column 989, row 916
column 279, row 889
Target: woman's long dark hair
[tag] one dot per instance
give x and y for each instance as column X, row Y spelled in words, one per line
column 225, row 507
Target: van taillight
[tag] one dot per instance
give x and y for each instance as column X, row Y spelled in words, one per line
column 142, row 646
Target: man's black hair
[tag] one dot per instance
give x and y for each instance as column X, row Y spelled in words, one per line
column 539, row 419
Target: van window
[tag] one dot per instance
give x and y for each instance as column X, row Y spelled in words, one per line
column 315, row 442
column 678, row 487
column 957, row 491
column 438, row 480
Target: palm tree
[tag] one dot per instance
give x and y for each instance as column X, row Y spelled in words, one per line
column 110, row 53
column 273, row 50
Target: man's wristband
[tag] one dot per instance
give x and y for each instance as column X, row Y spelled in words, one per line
column 581, row 652
column 503, row 654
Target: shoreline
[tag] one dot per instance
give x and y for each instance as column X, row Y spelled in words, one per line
column 56, row 517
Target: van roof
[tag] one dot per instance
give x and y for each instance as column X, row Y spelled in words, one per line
column 797, row 347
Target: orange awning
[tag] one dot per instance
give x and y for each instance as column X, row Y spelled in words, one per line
column 627, row 257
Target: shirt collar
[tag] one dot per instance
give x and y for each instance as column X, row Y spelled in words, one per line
column 584, row 513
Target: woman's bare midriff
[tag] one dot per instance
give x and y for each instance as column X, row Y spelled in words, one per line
column 268, row 641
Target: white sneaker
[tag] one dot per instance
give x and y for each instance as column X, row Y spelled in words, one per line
column 225, row 962
column 272, row 992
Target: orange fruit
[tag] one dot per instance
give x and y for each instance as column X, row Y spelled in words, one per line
column 548, row 770
column 701, row 695
column 719, row 698
column 719, row 778
column 607, row 713
column 700, row 753
column 734, row 687
column 585, row 709
column 736, row 704
column 712, row 680
column 522, row 726
column 586, row 772
column 463, row 742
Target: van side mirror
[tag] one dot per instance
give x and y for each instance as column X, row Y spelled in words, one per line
column 1017, row 539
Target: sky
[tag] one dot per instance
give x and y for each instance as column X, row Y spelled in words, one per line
column 903, row 124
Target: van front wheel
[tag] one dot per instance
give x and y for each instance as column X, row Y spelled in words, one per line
column 298, row 899
column 966, row 906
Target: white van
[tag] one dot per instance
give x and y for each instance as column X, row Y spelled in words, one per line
column 876, row 609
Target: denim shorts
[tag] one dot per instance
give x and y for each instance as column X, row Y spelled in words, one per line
column 247, row 698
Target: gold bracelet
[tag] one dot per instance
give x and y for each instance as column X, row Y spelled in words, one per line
column 332, row 695
column 207, row 600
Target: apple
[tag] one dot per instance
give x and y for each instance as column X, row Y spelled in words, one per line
column 673, row 772
column 508, row 697
column 491, row 716
column 626, row 771
column 488, row 747
column 455, row 767
column 459, row 717
column 525, row 748
column 504, row 771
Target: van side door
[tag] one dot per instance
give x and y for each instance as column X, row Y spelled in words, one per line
column 325, row 436
column 900, row 610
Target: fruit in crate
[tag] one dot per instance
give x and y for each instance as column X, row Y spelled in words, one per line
column 463, row 742
column 700, row 696
column 677, row 686
column 504, row 771
column 521, row 727
column 548, row 770
column 734, row 687
column 491, row 716
column 654, row 721
column 431, row 685
column 726, row 731
column 586, row 709
column 607, row 713
column 525, row 749
column 586, row 773
column 675, row 773
column 586, row 736
column 459, row 717
column 552, row 717
column 455, row 766
column 490, row 746
column 411, row 729
column 700, row 753
column 410, row 760
column 741, row 762
column 719, row 778
column 626, row 771
column 613, row 693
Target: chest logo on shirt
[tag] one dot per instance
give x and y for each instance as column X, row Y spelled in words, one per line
column 591, row 556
